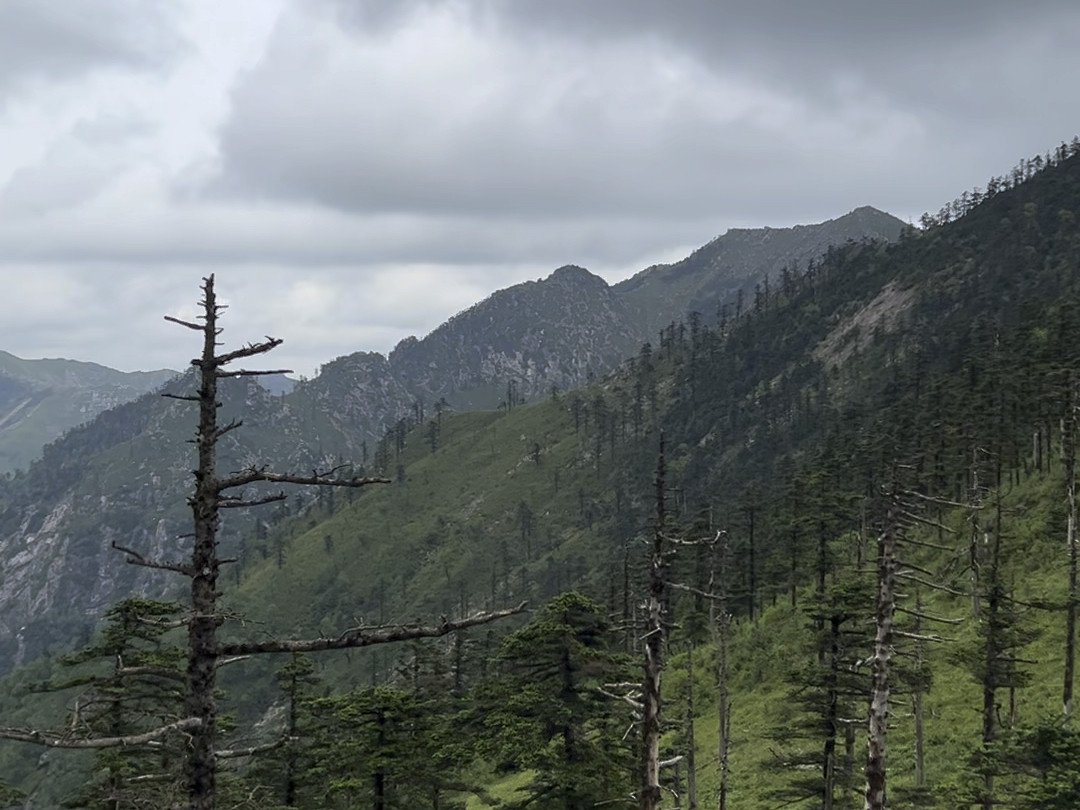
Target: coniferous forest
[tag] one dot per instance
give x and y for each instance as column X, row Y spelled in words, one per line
column 813, row 547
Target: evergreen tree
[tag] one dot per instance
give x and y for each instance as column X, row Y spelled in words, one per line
column 131, row 680
column 545, row 712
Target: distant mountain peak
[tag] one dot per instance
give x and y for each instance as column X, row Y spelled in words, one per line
column 740, row 257
column 576, row 274
column 40, row 399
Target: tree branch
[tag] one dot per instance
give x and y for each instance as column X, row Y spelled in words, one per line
column 928, row 617
column 51, row 739
column 221, row 662
column 135, row 558
column 226, row 502
column 245, row 373
column 691, row 589
column 198, row 327
column 919, row 637
column 252, row 475
column 160, row 672
column 928, row 522
column 233, row 425
column 364, row 636
column 233, row 753
column 936, row 586
column 939, row 501
column 250, row 350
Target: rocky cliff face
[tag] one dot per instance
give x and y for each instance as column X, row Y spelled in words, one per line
column 524, row 339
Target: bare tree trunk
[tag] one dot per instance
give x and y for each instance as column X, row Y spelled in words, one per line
column 975, row 537
column 1068, row 446
column 993, row 651
column 691, row 775
column 721, row 623
column 649, row 795
column 201, row 701
column 828, row 753
column 916, row 697
column 879, row 686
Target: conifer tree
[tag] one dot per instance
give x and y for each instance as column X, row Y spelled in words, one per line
column 545, row 710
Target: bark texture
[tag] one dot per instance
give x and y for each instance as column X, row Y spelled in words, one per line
column 881, row 664
column 649, row 794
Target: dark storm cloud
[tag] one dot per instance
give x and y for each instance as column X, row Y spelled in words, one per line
column 62, row 39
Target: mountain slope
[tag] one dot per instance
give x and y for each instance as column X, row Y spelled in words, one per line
column 945, row 357
column 714, row 274
column 560, row 331
column 40, row 399
column 124, row 477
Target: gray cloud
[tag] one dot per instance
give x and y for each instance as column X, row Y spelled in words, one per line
column 59, row 39
column 745, row 110
column 76, row 167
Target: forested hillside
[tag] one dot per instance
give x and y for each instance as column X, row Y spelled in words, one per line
column 40, row 399
column 920, row 394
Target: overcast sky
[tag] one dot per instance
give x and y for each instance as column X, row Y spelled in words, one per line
column 356, row 171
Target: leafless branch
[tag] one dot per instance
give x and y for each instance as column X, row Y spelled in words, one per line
column 187, row 398
column 135, row 558
column 928, row 617
column 233, row 753
column 198, row 327
column 254, row 474
column 152, row 777
column 634, row 703
column 364, row 636
column 233, row 425
column 919, row 637
column 245, row 373
column 221, row 662
column 939, row 501
column 936, row 586
column 926, row 544
column 906, row 564
column 236, row 503
column 51, row 739
column 691, row 589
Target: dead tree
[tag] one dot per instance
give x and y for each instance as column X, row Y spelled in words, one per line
column 721, row 623
column 1068, row 452
column 881, row 663
column 212, row 494
column 653, row 663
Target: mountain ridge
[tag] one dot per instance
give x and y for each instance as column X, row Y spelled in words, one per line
column 41, row 399
column 126, row 482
